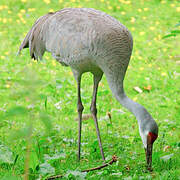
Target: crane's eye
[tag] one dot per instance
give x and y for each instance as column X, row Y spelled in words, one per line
column 151, row 137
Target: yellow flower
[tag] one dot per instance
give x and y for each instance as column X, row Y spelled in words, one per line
column 109, row 7
column 4, row 20
column 172, row 5
column 73, row 0
column 133, row 19
column 22, row 11
column 163, row 74
column 149, row 43
column 127, row 2
column 155, row 39
column 5, row 7
column 9, row 12
column 34, row 62
column 51, row 10
column 146, row 9
column 20, row 15
column 24, row 1
column 8, row 86
column 47, row 1
column 139, row 57
column 118, row 7
column 31, row 9
column 54, row 63
column 123, row 13
column 140, row 10
column 18, row 21
column 144, row 17
column 157, row 22
column 22, row 20
column 163, row 2
column 6, row 53
column 135, row 98
column 164, row 49
column 136, row 52
column 2, row 57
column 102, row 0
column 10, row 19
column 150, row 65
column 178, row 9
column 133, row 28
column 152, row 28
column 141, row 68
column 60, row 1
column 141, row 33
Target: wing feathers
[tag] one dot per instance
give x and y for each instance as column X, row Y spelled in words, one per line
column 32, row 39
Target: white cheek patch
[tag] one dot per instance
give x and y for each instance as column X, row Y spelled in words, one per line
column 144, row 137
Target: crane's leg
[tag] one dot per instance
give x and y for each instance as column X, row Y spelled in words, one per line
column 80, row 110
column 93, row 109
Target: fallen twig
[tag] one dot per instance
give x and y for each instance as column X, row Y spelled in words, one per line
column 114, row 159
column 54, row 177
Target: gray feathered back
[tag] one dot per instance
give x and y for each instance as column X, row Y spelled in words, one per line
column 73, row 34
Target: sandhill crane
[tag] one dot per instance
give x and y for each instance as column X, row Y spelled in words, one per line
column 88, row 40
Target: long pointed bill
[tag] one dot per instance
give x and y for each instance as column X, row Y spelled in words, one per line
column 151, row 137
column 148, row 151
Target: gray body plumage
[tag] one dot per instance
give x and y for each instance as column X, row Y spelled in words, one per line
column 81, row 38
column 89, row 40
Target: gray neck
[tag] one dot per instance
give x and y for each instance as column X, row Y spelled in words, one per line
column 143, row 117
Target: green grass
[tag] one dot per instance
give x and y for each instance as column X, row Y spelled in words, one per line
column 38, row 136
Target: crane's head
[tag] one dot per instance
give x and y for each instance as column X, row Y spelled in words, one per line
column 149, row 133
column 151, row 137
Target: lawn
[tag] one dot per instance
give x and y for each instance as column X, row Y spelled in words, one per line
column 38, row 116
